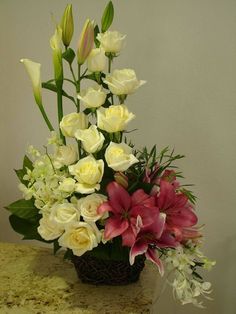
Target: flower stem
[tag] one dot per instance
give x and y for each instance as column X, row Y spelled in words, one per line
column 60, row 111
column 78, row 102
column 109, row 71
column 46, row 118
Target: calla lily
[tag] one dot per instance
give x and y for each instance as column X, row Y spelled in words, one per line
column 33, row 70
column 129, row 213
column 67, row 25
column 55, row 43
column 86, row 42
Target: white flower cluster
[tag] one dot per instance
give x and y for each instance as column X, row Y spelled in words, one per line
column 187, row 285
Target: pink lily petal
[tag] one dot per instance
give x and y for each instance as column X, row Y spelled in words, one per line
column 147, row 214
column 119, row 198
column 104, row 207
column 167, row 195
column 114, row 227
column 153, row 256
column 140, row 197
column 183, row 218
column 128, row 237
column 137, row 249
column 167, row 239
column 157, row 226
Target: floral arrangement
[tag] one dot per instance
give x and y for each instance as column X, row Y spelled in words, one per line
column 90, row 189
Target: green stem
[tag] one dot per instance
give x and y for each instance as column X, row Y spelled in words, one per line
column 109, row 71
column 45, row 117
column 60, row 111
column 78, row 102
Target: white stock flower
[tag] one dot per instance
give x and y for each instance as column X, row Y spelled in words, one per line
column 80, row 238
column 92, row 140
column 123, row 82
column 114, row 119
column 88, row 172
column 71, row 122
column 92, row 97
column 65, row 155
column 119, row 156
column 88, row 206
column 48, row 229
column 67, row 185
column 96, row 61
column 65, row 213
column 111, row 41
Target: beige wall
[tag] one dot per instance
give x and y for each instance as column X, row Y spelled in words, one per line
column 186, row 50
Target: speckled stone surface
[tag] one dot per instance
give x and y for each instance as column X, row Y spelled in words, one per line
column 33, row 280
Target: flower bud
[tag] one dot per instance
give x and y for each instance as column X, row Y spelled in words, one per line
column 86, row 42
column 33, row 70
column 121, row 179
column 55, row 43
column 67, row 25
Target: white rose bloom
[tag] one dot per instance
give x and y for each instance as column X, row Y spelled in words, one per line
column 48, row 229
column 114, row 119
column 65, row 156
column 67, row 185
column 71, row 122
column 80, row 238
column 111, row 41
column 93, row 97
column 96, row 61
column 119, row 157
column 64, row 214
column 88, row 172
column 123, row 82
column 92, row 140
column 88, row 206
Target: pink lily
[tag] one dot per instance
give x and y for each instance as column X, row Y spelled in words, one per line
column 129, row 213
column 178, row 210
column 148, row 239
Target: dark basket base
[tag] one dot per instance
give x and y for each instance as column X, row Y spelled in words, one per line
column 107, row 272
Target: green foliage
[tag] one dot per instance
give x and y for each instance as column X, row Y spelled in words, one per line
column 96, row 32
column 107, row 17
column 52, row 87
column 23, row 208
column 69, row 55
column 27, row 164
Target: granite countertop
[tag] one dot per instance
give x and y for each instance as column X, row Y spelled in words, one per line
column 33, row 280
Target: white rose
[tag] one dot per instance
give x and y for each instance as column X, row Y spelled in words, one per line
column 119, row 157
column 67, row 185
column 71, row 122
column 91, row 139
column 88, row 172
column 48, row 229
column 123, row 82
column 65, row 156
column 93, row 97
column 96, row 61
column 88, row 206
column 64, row 214
column 114, row 119
column 80, row 238
column 111, row 41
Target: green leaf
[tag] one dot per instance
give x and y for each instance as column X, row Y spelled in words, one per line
column 26, row 228
column 69, row 55
column 23, row 208
column 20, row 174
column 68, row 254
column 96, row 32
column 27, row 163
column 107, row 17
column 53, row 88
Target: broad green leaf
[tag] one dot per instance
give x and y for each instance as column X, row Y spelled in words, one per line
column 23, row 208
column 69, row 55
column 27, row 163
column 20, row 174
column 26, row 228
column 107, row 17
column 56, row 247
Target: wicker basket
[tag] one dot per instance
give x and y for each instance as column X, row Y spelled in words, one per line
column 107, row 272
